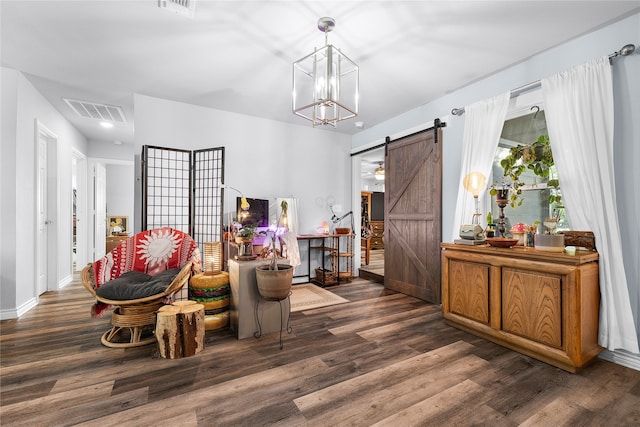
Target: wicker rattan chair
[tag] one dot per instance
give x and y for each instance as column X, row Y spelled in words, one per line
column 152, row 253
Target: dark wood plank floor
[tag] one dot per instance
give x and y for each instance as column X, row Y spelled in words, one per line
column 373, row 271
column 381, row 359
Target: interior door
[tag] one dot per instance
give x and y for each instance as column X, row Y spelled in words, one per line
column 43, row 219
column 413, row 215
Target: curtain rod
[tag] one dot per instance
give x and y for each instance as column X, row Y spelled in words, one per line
column 626, row 50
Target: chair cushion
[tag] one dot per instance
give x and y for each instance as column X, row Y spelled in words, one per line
column 134, row 285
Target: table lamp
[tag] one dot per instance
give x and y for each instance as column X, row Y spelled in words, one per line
column 473, row 233
column 474, row 183
column 212, row 258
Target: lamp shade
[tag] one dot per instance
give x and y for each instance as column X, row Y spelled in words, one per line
column 474, row 183
column 212, row 258
column 244, row 204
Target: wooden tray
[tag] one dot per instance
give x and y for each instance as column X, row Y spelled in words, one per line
column 501, row 242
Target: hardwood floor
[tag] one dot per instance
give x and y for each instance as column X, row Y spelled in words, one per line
column 374, row 271
column 381, row 359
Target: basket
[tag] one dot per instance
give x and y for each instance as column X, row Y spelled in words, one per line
column 326, row 276
column 344, row 276
column 343, row 230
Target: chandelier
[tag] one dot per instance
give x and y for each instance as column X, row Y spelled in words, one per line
column 325, row 83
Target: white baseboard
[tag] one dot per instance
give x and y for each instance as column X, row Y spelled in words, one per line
column 9, row 313
column 27, row 306
column 65, row 281
column 621, row 357
column 14, row 313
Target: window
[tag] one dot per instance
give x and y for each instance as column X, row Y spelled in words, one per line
column 524, row 130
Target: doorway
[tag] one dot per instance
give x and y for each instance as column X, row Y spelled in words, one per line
column 79, row 242
column 371, row 191
column 46, row 204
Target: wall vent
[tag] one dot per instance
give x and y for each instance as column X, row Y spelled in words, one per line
column 93, row 110
column 181, row 7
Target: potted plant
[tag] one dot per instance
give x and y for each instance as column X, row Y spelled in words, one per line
column 274, row 280
column 244, row 239
column 491, row 227
column 246, row 233
column 537, row 158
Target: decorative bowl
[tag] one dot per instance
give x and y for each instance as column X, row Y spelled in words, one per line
column 501, row 242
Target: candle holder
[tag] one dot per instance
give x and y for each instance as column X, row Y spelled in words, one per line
column 502, row 199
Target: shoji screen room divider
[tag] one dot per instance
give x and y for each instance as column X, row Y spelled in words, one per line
column 182, row 189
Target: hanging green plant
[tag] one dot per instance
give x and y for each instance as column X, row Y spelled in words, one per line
column 537, row 158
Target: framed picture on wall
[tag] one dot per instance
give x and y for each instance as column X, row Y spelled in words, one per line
column 117, row 225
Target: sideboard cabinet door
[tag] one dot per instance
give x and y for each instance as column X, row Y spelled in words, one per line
column 531, row 305
column 469, row 290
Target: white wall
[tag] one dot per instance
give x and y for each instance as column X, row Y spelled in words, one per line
column 627, row 126
column 8, row 235
column 22, row 105
column 111, row 152
column 120, row 192
column 264, row 159
column 120, row 183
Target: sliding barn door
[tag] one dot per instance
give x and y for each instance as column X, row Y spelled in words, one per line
column 413, row 201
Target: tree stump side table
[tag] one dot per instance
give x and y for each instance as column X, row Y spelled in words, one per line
column 180, row 329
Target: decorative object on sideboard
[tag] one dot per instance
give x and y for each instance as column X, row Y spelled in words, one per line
column 473, row 233
column 519, row 230
column 501, row 191
column 549, row 242
column 501, row 242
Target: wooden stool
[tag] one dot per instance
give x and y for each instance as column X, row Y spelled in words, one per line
column 180, row 329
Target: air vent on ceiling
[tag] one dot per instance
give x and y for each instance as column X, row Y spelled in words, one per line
column 182, row 7
column 93, row 110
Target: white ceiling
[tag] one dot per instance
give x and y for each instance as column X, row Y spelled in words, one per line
column 237, row 55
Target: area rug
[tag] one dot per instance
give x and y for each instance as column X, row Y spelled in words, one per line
column 307, row 296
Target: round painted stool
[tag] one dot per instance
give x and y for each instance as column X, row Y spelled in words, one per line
column 214, row 292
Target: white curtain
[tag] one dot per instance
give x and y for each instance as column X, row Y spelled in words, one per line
column 579, row 113
column 482, row 128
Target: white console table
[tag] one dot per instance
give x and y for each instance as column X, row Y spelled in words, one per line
column 245, row 296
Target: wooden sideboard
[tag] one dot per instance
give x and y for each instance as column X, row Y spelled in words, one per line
column 377, row 233
column 113, row 241
column 541, row 304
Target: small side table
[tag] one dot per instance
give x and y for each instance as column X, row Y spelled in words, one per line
column 244, row 297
